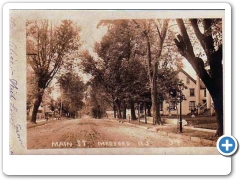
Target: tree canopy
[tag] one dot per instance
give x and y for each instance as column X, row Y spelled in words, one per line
column 123, row 67
column 72, row 93
column 48, row 46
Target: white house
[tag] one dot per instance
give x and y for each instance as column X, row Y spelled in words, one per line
column 196, row 94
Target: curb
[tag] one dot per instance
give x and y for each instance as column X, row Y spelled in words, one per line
column 200, row 129
column 41, row 123
column 188, row 138
column 203, row 141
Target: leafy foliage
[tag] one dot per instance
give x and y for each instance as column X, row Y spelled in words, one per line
column 123, row 69
column 72, row 92
column 47, row 49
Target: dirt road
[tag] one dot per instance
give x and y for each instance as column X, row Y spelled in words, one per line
column 96, row 133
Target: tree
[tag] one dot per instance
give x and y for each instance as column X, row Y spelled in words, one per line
column 47, row 49
column 117, row 70
column 154, row 33
column 208, row 33
column 98, row 100
column 31, row 87
column 115, row 50
column 72, row 92
column 131, row 55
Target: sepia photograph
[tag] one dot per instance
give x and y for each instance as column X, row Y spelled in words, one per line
column 122, row 81
column 115, row 89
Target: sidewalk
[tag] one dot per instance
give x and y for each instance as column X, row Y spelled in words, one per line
column 41, row 122
column 204, row 136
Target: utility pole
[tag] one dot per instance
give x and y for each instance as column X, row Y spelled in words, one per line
column 139, row 113
column 181, row 98
column 61, row 103
column 174, row 92
column 180, row 121
column 61, row 109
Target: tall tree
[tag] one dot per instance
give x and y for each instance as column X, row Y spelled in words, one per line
column 117, row 69
column 154, row 33
column 209, row 35
column 98, row 100
column 72, row 92
column 31, row 87
column 47, row 49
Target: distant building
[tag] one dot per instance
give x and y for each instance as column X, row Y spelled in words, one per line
column 198, row 99
column 42, row 110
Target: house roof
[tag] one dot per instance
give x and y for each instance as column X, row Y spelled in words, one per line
column 202, row 85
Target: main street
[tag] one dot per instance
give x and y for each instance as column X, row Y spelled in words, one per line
column 96, row 133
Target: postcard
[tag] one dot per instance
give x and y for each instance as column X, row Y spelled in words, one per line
column 117, row 81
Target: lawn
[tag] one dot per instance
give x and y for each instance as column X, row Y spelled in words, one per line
column 206, row 122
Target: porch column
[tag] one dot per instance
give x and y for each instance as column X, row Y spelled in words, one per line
column 209, row 101
column 198, row 93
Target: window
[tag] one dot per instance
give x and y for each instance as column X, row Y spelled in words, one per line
column 191, row 105
column 192, row 92
column 187, row 80
column 205, row 93
column 172, row 105
column 161, row 106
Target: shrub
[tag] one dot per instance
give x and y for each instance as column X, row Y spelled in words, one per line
column 97, row 112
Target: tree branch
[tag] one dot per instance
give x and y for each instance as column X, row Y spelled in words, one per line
column 198, row 33
column 184, row 43
column 185, row 47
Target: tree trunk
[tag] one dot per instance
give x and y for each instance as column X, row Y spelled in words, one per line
column 36, row 106
column 219, row 114
column 218, row 106
column 152, row 68
column 133, row 114
column 155, row 104
column 119, row 114
column 217, row 92
column 124, row 111
column 145, row 115
column 138, row 113
column 114, row 111
column 149, row 106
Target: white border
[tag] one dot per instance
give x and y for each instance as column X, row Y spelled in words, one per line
column 123, row 6
column 115, row 165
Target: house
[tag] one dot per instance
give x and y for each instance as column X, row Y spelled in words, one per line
column 198, row 99
column 42, row 110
